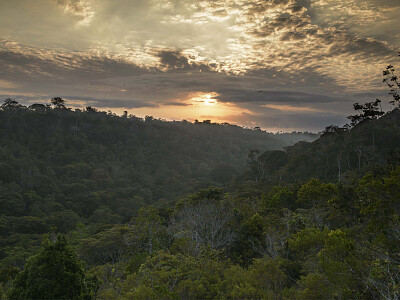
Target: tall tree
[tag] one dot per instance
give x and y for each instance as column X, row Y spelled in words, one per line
column 393, row 83
column 55, row 272
column 10, row 103
column 367, row 111
column 58, row 102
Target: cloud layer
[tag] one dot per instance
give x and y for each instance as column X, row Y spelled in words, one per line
column 282, row 64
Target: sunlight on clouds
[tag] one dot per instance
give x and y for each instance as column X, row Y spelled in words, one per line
column 373, row 18
column 176, row 54
column 234, row 36
column 362, row 12
column 354, row 75
column 4, row 84
column 80, row 8
column 197, row 105
column 288, row 108
column 204, row 99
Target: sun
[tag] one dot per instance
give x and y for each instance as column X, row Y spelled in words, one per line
column 204, row 99
column 208, row 100
column 197, row 105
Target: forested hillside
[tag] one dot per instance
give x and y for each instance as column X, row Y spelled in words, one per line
column 132, row 198
column 60, row 168
column 339, row 155
column 65, row 153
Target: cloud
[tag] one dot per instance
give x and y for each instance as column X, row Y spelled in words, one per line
column 253, row 54
column 110, row 103
column 176, row 60
column 31, row 64
column 288, row 108
column 75, row 6
column 175, row 103
column 76, row 101
column 7, row 84
column 270, row 96
column 94, row 77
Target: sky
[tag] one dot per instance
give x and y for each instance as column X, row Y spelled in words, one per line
column 276, row 64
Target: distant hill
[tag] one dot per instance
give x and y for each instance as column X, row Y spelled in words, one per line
column 84, row 160
column 338, row 155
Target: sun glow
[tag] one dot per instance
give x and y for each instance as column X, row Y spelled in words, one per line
column 192, row 106
column 204, row 99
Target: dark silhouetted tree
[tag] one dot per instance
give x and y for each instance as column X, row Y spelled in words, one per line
column 367, row 111
column 10, row 103
column 90, row 109
column 58, row 102
column 393, row 83
column 37, row 107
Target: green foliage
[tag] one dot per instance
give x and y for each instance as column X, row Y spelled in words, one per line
column 54, row 273
column 378, row 200
column 278, row 197
column 308, row 243
column 170, row 276
column 7, row 275
column 107, row 246
column 337, row 156
column 315, row 193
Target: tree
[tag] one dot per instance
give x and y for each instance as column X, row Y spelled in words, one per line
column 316, row 194
column 271, row 161
column 367, row 111
column 90, row 109
column 55, row 272
column 37, row 107
column 393, row 83
column 335, row 129
column 107, row 246
column 253, row 164
column 10, row 103
column 148, row 227
column 172, row 276
column 204, row 221
column 11, row 201
column 267, row 276
column 58, row 102
column 378, row 201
